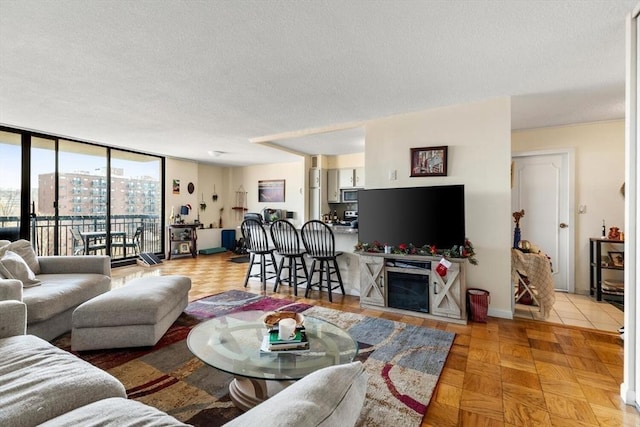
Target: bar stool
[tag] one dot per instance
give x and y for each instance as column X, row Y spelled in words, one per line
column 320, row 244
column 257, row 243
column 287, row 242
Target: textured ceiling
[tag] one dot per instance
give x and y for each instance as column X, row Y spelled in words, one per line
column 182, row 78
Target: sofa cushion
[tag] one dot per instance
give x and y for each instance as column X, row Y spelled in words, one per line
column 114, row 412
column 39, row 381
column 60, row 292
column 12, row 266
column 331, row 396
column 25, row 250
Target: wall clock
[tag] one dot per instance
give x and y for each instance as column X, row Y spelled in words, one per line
column 191, row 188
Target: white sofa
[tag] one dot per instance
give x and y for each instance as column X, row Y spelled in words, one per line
column 59, row 284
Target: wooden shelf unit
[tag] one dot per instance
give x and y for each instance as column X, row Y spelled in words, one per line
column 182, row 240
column 596, row 267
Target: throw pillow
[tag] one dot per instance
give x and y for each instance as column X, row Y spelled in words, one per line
column 25, row 250
column 329, row 397
column 12, row 266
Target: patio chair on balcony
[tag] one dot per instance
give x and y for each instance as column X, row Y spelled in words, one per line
column 82, row 247
column 125, row 243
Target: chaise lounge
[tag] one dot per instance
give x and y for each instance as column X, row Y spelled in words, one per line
column 51, row 286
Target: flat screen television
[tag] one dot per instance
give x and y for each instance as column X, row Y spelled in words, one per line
column 418, row 215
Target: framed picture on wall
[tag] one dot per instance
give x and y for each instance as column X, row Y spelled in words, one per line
column 429, row 161
column 271, row 190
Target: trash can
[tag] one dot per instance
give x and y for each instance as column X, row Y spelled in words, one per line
column 229, row 239
column 478, row 304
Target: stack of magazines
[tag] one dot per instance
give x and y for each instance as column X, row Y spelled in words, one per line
column 273, row 343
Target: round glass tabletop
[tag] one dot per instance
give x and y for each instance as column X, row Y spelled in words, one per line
column 232, row 344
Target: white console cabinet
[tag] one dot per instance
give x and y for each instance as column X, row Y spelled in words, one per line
column 419, row 290
column 372, row 280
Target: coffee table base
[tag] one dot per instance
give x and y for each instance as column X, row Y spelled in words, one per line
column 249, row 392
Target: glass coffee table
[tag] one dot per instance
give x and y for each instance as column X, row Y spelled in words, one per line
column 232, row 343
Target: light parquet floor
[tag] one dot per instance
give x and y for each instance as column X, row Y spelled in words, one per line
column 503, row 373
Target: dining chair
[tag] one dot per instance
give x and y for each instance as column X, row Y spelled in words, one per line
column 260, row 252
column 320, row 245
column 287, row 244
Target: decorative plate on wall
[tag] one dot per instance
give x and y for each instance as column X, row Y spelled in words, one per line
column 191, row 188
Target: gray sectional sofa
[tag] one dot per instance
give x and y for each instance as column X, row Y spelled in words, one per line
column 41, row 384
column 61, row 284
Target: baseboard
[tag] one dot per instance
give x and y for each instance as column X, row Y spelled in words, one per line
column 504, row 314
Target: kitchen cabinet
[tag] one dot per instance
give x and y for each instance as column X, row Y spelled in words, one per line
column 351, row 178
column 359, row 177
column 314, row 178
column 333, row 188
column 345, row 178
column 316, row 193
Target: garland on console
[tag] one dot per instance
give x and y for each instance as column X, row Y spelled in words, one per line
column 457, row 251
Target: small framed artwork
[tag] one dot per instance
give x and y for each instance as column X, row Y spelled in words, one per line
column 429, row 161
column 605, row 261
column 176, row 186
column 271, row 190
column 184, row 248
column 617, row 259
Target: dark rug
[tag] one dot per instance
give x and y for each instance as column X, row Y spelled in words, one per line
column 404, row 363
column 239, row 259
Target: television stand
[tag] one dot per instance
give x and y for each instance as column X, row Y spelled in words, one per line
column 409, row 284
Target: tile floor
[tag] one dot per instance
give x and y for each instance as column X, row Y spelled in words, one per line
column 577, row 310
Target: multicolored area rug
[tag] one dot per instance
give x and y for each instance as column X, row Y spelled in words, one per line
column 404, row 363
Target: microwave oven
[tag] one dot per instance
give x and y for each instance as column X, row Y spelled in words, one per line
column 349, row 196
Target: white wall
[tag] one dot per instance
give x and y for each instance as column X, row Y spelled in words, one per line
column 186, row 171
column 479, row 156
column 211, row 179
column 295, row 177
column 354, row 160
column 599, row 159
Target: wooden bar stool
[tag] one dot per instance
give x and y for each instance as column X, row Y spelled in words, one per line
column 257, row 243
column 320, row 244
column 287, row 242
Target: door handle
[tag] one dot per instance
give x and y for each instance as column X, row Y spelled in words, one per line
column 563, row 225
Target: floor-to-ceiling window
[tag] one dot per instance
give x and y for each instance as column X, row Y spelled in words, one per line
column 10, row 184
column 83, row 198
column 44, row 233
column 136, row 200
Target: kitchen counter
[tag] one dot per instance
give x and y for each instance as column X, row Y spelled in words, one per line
column 346, row 238
column 343, row 229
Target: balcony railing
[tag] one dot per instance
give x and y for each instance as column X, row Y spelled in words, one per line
column 42, row 232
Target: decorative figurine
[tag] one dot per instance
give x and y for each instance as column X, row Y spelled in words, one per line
column 614, row 233
column 516, row 231
column 517, row 216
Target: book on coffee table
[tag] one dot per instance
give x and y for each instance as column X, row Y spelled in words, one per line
column 301, row 344
column 274, row 337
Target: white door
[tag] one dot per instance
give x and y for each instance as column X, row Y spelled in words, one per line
column 541, row 186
